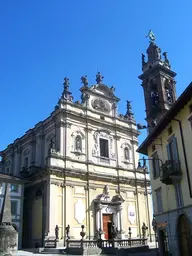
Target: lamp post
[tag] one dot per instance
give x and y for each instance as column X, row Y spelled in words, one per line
column 154, row 224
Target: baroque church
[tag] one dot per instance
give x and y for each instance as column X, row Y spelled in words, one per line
column 81, row 168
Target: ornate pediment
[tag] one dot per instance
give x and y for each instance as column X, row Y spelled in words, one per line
column 104, row 90
column 105, row 197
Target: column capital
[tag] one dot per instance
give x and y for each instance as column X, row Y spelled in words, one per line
column 119, row 208
column 99, row 207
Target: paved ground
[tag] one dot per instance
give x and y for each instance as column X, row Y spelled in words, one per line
column 21, row 253
column 25, row 253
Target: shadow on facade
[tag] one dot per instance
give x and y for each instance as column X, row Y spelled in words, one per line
column 184, row 235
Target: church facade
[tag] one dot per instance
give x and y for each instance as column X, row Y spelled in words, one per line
column 81, row 168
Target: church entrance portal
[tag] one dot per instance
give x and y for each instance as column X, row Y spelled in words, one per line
column 107, row 222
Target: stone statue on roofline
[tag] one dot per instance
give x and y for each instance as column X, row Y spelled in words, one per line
column 151, row 36
column 84, row 80
column 99, row 78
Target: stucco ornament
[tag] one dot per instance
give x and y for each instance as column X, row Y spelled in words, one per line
column 131, row 214
column 26, row 152
column 103, row 134
column 101, row 105
column 79, row 211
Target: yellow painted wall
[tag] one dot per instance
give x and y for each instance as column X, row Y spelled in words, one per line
column 75, row 193
column 168, row 192
column 37, row 219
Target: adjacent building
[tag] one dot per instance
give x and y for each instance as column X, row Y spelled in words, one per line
column 16, row 187
column 81, row 168
column 168, row 147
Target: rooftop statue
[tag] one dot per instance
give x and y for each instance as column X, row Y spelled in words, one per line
column 84, row 80
column 66, row 82
column 151, row 36
column 99, row 78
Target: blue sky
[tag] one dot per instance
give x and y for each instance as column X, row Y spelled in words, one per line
column 44, row 41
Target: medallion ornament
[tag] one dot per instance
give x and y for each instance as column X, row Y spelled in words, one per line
column 101, row 105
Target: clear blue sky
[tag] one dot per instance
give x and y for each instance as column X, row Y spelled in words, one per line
column 44, row 41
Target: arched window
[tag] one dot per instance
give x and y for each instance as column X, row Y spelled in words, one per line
column 78, row 143
column 126, row 153
column 168, row 94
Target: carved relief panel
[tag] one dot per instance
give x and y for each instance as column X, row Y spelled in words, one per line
column 101, row 105
column 79, row 211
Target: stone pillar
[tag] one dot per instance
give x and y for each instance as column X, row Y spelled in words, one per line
column 121, row 232
column 97, row 220
column 12, row 161
column 118, row 222
column 33, row 147
column 61, row 138
column 42, row 150
column 19, row 155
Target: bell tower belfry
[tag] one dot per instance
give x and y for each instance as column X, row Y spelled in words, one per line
column 158, row 83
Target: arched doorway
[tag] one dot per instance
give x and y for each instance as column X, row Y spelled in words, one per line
column 184, row 235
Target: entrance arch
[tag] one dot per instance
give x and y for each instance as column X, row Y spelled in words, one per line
column 184, row 235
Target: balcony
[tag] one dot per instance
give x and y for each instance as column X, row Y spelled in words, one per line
column 170, row 172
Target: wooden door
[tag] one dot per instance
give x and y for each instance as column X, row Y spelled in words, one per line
column 106, row 220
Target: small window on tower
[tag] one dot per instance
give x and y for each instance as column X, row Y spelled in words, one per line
column 104, row 148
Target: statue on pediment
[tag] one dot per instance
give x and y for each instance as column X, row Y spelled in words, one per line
column 84, row 80
column 99, row 78
column 112, row 88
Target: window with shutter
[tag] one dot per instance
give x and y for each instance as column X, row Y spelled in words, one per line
column 156, row 167
column 178, row 195
column 172, row 153
column 13, row 207
column 172, row 150
column 159, row 201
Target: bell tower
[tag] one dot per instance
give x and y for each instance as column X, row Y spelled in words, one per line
column 158, row 83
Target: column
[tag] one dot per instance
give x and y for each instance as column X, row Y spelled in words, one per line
column 61, row 138
column 19, row 156
column 97, row 220
column 33, row 146
column 120, row 221
column 43, row 150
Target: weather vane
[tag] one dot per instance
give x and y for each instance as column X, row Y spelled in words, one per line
column 151, row 36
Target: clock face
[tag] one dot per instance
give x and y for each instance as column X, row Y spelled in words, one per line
column 101, row 105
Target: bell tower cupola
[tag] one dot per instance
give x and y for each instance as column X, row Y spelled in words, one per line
column 158, row 83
